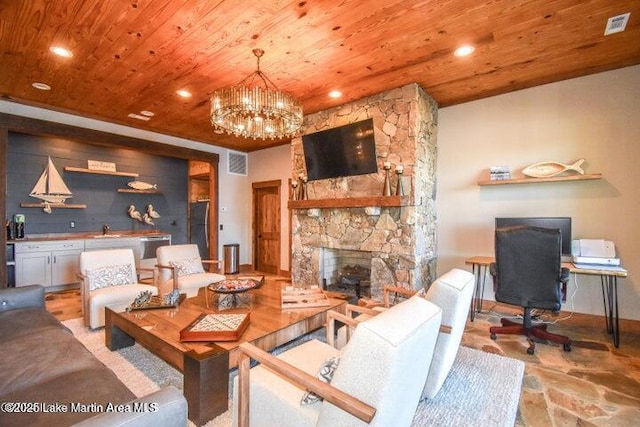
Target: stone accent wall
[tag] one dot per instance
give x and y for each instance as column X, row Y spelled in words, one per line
column 401, row 239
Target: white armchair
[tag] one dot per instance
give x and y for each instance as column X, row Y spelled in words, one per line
column 364, row 312
column 452, row 292
column 181, row 267
column 109, row 277
column 377, row 381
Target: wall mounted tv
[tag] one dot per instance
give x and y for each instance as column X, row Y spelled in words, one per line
column 561, row 223
column 343, row 151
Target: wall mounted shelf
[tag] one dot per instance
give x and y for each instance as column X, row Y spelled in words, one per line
column 351, row 202
column 52, row 206
column 98, row 172
column 538, row 180
column 134, row 191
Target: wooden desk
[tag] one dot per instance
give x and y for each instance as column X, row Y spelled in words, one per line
column 608, row 281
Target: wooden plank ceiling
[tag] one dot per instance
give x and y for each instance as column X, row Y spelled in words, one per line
column 132, row 55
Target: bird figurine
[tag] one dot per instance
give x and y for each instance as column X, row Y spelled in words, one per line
column 147, row 219
column 133, row 213
column 152, row 212
column 47, row 208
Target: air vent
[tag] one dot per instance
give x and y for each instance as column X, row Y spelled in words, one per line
column 616, row 24
column 236, row 163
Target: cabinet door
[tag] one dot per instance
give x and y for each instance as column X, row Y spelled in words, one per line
column 33, row 269
column 65, row 265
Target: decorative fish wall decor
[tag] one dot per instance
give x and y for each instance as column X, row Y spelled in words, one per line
column 141, row 185
column 549, row 169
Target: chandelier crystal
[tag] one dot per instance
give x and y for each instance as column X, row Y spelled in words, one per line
column 250, row 110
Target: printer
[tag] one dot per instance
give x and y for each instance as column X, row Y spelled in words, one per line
column 594, row 252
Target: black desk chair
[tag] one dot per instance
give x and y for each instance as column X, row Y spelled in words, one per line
column 528, row 272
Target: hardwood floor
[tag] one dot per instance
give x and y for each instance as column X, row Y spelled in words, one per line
column 595, row 384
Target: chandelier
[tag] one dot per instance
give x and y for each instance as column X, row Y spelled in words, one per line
column 252, row 111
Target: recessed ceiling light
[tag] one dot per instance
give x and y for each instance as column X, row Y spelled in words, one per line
column 147, row 113
column 61, row 51
column 335, row 94
column 183, row 93
column 464, row 50
column 41, row 86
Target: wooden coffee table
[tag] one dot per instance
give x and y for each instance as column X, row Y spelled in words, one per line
column 205, row 365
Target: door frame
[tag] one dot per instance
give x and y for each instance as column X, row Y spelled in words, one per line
column 277, row 184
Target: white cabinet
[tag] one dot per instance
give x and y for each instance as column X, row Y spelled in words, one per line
column 65, row 265
column 33, row 268
column 50, row 263
column 56, row 262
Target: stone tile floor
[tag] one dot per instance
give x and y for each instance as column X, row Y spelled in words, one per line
column 595, row 384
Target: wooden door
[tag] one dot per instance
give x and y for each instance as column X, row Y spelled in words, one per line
column 266, row 229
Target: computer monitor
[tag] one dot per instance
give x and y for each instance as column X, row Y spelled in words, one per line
column 561, row 223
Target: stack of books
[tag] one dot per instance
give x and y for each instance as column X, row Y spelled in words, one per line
column 499, row 173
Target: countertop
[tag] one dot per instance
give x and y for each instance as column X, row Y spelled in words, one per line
column 85, row 236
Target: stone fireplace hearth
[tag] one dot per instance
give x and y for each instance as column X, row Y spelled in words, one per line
column 351, row 213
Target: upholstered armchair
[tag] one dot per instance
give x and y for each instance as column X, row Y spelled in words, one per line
column 452, row 292
column 109, row 277
column 366, row 311
column 376, row 381
column 180, row 267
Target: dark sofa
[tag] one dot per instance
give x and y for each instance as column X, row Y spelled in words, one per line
column 49, row 378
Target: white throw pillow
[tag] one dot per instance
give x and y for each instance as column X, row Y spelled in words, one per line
column 109, row 275
column 186, row 267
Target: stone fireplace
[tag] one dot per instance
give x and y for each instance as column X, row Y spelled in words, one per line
column 350, row 213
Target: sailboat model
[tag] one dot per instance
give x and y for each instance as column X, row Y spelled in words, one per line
column 50, row 187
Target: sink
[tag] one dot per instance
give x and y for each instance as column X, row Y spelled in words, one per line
column 103, row 236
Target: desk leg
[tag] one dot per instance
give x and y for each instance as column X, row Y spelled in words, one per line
column 480, row 271
column 610, row 299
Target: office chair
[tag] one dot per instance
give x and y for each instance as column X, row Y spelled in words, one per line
column 528, row 272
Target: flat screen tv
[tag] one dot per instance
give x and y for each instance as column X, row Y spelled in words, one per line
column 561, row 223
column 343, row 151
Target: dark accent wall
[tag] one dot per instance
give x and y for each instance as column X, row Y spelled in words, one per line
column 27, row 157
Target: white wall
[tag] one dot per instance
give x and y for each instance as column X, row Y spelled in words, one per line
column 234, row 212
column 595, row 117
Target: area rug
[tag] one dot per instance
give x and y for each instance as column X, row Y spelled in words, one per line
column 481, row 389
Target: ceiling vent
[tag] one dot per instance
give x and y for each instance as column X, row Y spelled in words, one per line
column 616, row 24
column 236, row 163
